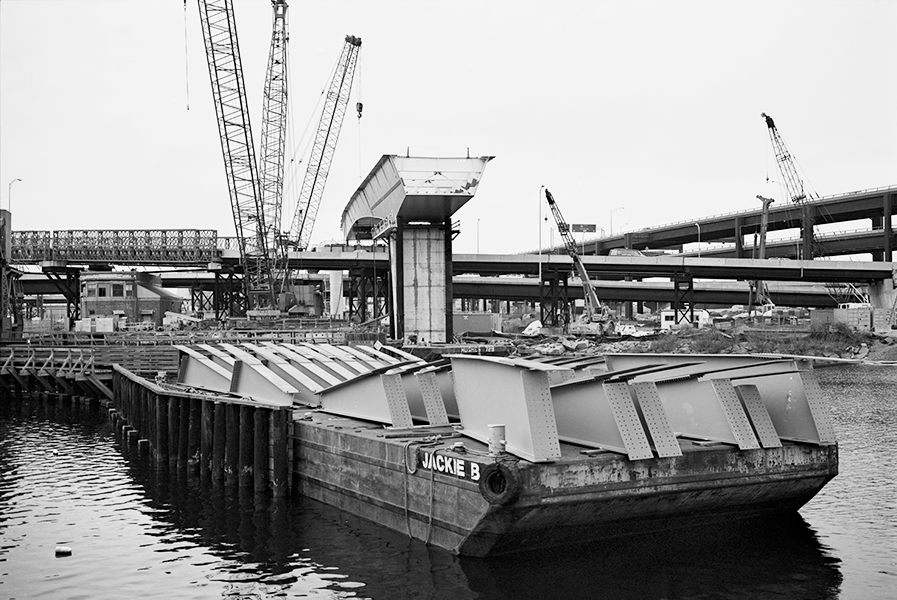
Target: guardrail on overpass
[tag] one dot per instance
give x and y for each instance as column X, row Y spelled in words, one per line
column 877, row 204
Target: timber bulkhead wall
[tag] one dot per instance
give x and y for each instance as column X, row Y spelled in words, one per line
column 52, row 374
column 229, row 440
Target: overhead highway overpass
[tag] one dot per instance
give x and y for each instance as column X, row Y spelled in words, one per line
column 620, row 267
column 877, row 205
column 519, row 288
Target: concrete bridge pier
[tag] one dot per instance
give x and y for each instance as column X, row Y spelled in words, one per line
column 883, row 297
column 410, row 202
column 420, row 265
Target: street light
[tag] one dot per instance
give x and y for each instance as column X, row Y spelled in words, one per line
column 9, row 192
column 478, row 236
column 613, row 210
column 540, row 232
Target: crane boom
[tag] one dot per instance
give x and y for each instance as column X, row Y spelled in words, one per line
column 274, row 127
column 794, row 187
column 232, row 110
column 594, row 309
column 324, row 147
column 793, row 183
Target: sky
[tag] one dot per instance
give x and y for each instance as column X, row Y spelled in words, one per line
column 632, row 113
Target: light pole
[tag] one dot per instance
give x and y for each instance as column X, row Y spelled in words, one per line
column 9, row 192
column 613, row 210
column 698, row 225
column 478, row 236
column 540, row 233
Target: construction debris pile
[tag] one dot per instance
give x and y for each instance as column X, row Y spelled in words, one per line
column 836, row 345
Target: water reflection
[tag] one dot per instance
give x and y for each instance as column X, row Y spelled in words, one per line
column 778, row 558
column 266, row 543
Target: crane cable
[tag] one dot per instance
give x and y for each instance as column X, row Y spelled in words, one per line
column 359, row 105
column 301, row 148
column 186, row 58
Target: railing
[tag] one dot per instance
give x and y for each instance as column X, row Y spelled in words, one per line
column 307, row 330
column 791, row 240
column 754, row 210
column 166, row 246
column 228, row 243
column 717, row 216
column 82, row 361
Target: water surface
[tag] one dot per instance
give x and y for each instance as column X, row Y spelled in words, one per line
column 141, row 531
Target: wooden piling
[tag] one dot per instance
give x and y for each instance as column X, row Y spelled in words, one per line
column 137, row 420
column 174, row 427
column 183, row 430
column 232, row 441
column 235, row 441
column 195, row 435
column 260, row 444
column 218, row 441
column 247, row 426
column 280, row 464
column 161, row 427
column 208, row 427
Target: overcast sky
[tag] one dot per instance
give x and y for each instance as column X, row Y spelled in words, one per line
column 643, row 112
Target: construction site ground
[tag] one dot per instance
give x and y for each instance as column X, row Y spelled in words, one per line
column 837, row 343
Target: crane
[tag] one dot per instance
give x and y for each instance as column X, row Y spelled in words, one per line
column 795, row 189
column 274, row 128
column 596, row 314
column 336, row 101
column 219, row 30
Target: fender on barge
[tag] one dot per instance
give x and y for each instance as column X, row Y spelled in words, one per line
column 485, row 456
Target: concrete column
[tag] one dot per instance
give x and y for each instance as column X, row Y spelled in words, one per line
column 449, row 299
column 391, row 289
column 887, row 224
column 397, row 268
column 422, row 270
column 739, row 237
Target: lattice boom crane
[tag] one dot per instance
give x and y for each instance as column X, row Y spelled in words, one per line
column 274, row 127
column 794, row 186
column 595, row 311
column 324, row 147
column 232, row 110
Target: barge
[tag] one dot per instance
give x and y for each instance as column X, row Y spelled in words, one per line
column 486, row 456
